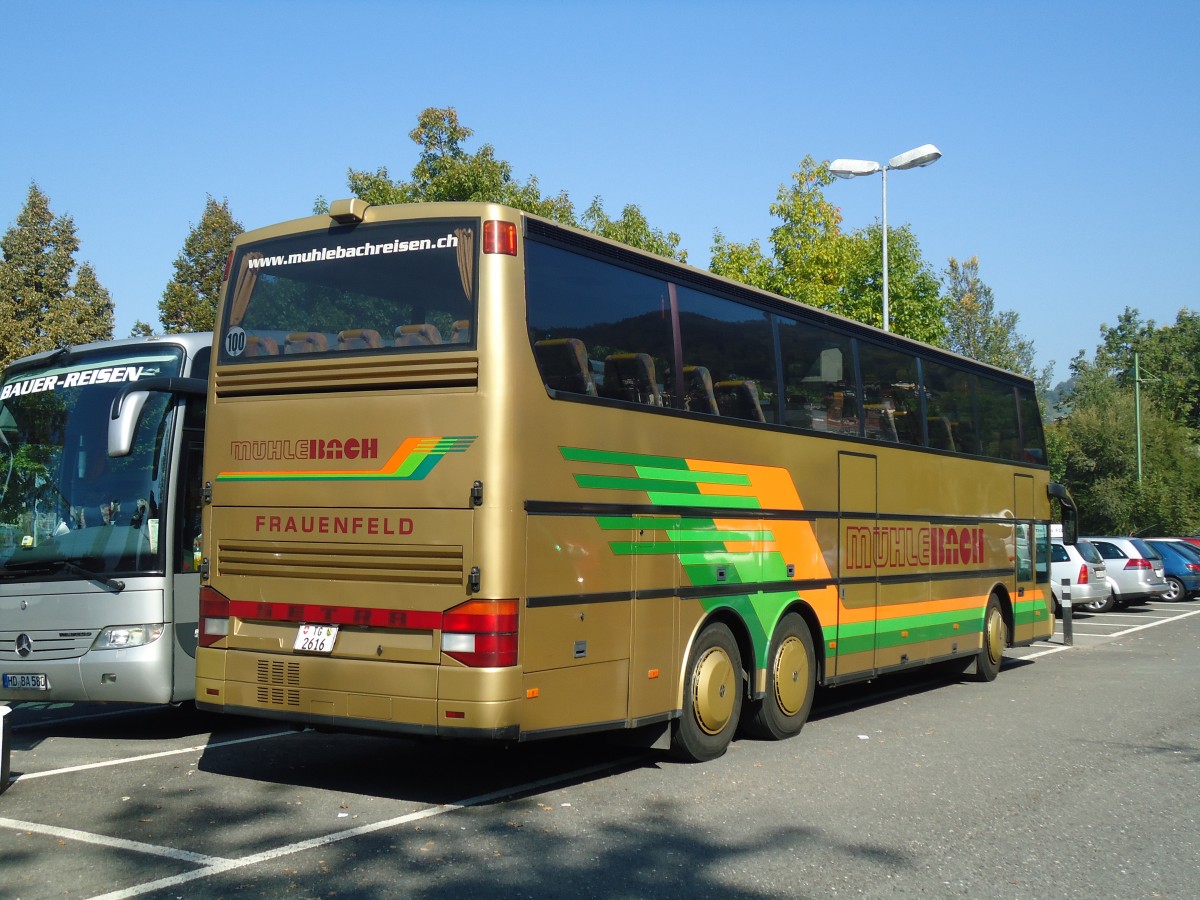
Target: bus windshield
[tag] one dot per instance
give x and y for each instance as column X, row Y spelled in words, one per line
column 388, row 285
column 66, row 507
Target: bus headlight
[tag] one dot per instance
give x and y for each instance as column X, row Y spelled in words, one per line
column 118, row 637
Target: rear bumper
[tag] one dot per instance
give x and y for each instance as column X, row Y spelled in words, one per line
column 358, row 695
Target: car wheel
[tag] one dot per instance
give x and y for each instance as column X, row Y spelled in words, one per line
column 1101, row 606
column 712, row 697
column 995, row 639
column 1175, row 590
column 791, row 681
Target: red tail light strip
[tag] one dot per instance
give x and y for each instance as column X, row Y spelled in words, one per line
column 336, row 615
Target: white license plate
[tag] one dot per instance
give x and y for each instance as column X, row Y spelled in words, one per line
column 315, row 638
column 17, row 682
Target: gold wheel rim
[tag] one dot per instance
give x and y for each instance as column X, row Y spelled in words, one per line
column 994, row 638
column 791, row 676
column 715, row 690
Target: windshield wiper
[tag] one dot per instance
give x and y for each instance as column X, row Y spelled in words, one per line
column 116, row 584
column 49, row 566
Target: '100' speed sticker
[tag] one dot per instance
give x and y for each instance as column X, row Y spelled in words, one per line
column 235, row 341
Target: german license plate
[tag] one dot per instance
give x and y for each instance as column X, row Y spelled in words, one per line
column 315, row 638
column 22, row 682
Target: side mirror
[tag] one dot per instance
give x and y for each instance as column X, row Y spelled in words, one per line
column 127, row 407
column 1070, row 512
column 123, row 419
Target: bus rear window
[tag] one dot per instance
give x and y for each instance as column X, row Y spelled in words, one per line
column 387, row 287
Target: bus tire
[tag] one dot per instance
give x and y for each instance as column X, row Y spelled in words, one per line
column 995, row 639
column 791, row 683
column 712, row 696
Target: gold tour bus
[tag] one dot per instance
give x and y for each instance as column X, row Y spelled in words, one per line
column 99, row 568
column 470, row 473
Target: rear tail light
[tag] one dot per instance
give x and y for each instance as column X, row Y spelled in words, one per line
column 1138, row 564
column 1083, row 574
column 500, row 237
column 1192, row 567
column 481, row 633
column 214, row 616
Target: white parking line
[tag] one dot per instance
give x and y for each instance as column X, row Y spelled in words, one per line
column 219, row 866
column 104, row 840
column 132, row 759
column 1104, row 638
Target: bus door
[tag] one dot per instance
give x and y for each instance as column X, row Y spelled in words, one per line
column 858, row 583
column 184, row 609
column 652, row 668
column 1023, row 506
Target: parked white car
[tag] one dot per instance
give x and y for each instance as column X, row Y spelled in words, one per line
column 1135, row 571
column 1082, row 568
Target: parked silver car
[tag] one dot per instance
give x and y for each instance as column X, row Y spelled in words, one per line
column 1083, row 568
column 1135, row 572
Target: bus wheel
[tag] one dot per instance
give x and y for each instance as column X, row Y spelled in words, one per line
column 712, row 696
column 791, row 682
column 995, row 639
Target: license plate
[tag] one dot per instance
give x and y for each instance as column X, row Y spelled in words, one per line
column 315, row 638
column 20, row 682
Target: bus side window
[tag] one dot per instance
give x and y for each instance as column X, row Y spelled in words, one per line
column 564, row 365
column 460, row 332
column 739, row 400
column 630, row 376
column 698, row 393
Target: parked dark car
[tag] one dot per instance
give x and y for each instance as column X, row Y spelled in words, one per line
column 1181, row 567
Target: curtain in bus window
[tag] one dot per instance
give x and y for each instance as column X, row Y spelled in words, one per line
column 949, row 408
column 999, row 431
column 597, row 329
column 819, row 387
column 728, row 359
column 891, row 403
column 246, row 280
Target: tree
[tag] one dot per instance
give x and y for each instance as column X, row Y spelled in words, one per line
column 1094, row 452
column 189, row 302
column 976, row 330
column 41, row 307
column 807, row 251
column 446, row 171
column 633, row 229
column 1168, row 361
column 916, row 307
column 814, row 262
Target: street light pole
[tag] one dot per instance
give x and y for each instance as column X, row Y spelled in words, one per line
column 925, row 155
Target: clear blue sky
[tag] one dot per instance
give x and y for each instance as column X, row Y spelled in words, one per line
column 1067, row 128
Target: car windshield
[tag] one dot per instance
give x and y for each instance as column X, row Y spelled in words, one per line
column 66, row 507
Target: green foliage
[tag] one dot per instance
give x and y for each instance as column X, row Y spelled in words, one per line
column 41, row 306
column 633, row 229
column 814, row 262
column 976, row 330
column 916, row 306
column 446, row 171
column 189, row 302
column 1094, row 451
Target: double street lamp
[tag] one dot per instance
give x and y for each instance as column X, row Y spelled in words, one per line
column 912, row 159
